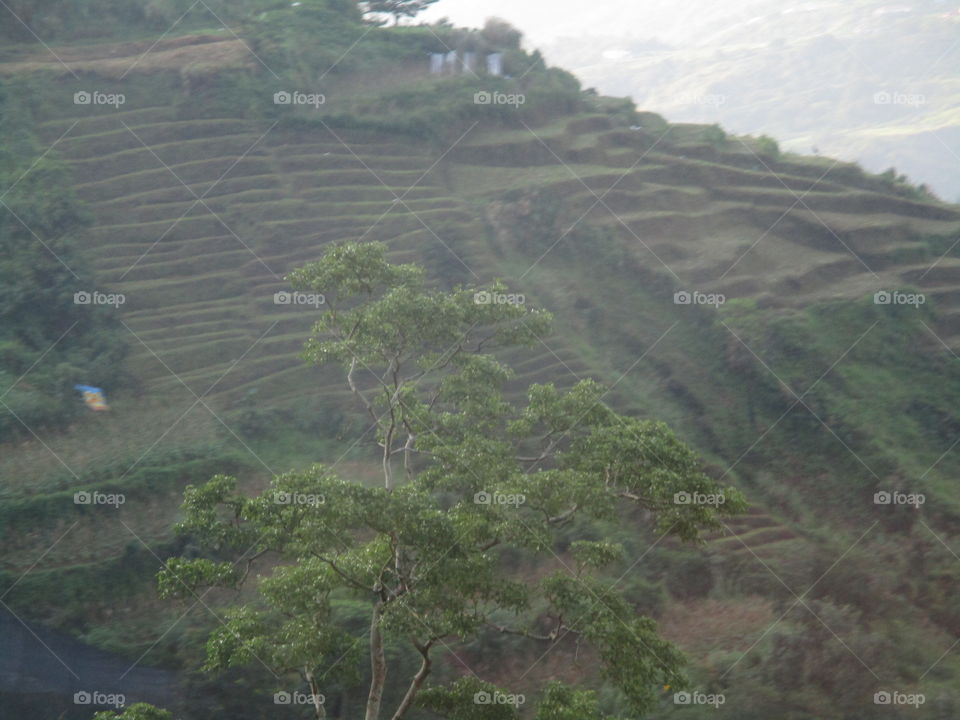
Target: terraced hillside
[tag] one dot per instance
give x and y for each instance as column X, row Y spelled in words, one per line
column 198, row 234
column 197, row 221
column 731, row 219
column 199, row 215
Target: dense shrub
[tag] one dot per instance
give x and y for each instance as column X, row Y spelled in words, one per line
column 48, row 342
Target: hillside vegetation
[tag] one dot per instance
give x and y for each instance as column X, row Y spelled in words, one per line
column 197, row 195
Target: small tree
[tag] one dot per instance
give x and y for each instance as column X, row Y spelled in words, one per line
column 769, row 147
column 397, row 8
column 467, row 477
column 138, row 711
column 500, row 34
column 715, row 136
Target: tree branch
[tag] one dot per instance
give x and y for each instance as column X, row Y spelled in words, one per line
column 356, row 392
column 407, row 450
column 565, row 515
column 417, row 681
column 318, row 707
column 249, row 564
column 523, row 633
column 352, row 581
column 639, row 499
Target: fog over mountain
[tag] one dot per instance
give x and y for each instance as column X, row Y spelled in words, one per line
column 868, row 81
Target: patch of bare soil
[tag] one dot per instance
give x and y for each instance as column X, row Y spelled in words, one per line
column 705, row 625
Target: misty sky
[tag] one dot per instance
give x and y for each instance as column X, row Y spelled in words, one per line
column 540, row 20
column 546, row 20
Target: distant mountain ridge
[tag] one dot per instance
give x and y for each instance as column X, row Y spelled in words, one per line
column 870, row 81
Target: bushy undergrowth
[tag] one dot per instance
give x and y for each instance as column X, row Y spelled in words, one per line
column 48, row 341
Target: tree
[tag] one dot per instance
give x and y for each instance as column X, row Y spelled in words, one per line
column 768, row 147
column 397, row 8
column 137, row 711
column 500, row 34
column 468, row 477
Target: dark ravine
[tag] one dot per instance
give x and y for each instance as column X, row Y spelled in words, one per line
column 41, row 670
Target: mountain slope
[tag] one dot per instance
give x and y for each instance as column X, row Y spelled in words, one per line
column 798, row 387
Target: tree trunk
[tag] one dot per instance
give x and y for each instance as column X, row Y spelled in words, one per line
column 319, row 708
column 387, row 463
column 415, row 684
column 378, row 666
